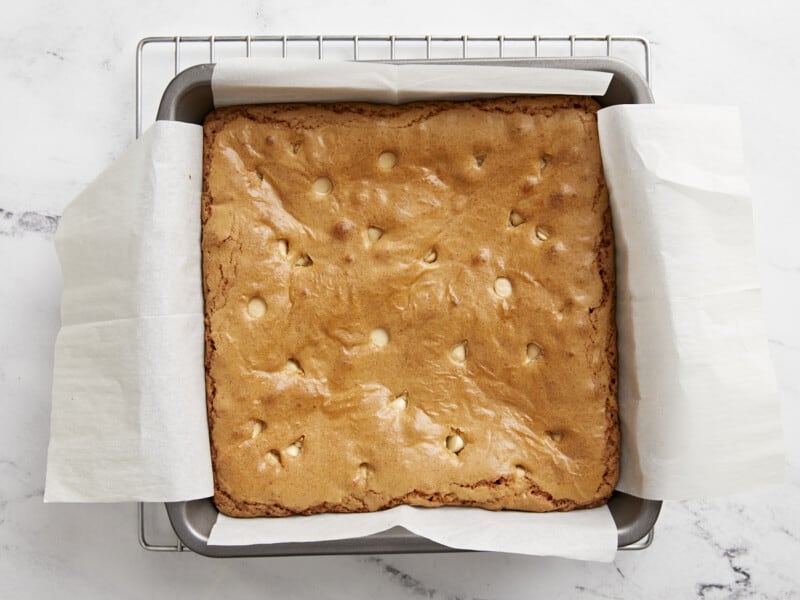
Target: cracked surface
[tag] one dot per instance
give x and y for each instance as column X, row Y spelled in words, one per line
column 538, row 434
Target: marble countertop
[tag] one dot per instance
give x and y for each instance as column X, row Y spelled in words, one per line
column 68, row 100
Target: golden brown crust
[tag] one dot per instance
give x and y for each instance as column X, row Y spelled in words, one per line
column 308, row 411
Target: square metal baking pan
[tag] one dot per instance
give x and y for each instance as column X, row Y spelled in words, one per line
column 188, row 98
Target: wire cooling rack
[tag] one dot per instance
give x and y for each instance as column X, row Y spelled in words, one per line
column 159, row 59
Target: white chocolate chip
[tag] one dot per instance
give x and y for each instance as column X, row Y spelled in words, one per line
column 304, row 260
column 556, row 436
column 387, row 160
column 542, row 234
column 374, row 234
column 379, row 337
column 530, row 183
column 295, row 447
column 258, row 427
column 431, row 256
column 520, row 472
column 283, row 248
column 293, row 366
column 400, row 402
column 459, row 352
column 362, row 472
column 502, row 287
column 257, row 307
column 454, row 443
column 273, row 457
column 322, row 186
column 516, row 219
column 532, row 352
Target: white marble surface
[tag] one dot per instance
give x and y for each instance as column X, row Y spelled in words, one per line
column 67, row 101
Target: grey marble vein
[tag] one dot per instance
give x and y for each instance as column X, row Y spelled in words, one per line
column 585, row 592
column 411, row 584
column 27, row 222
column 740, row 587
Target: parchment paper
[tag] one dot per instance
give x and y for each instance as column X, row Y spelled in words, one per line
column 582, row 534
column 129, row 416
column 698, row 399
column 128, row 419
column 254, row 81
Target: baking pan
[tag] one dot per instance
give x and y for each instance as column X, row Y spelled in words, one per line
column 188, row 98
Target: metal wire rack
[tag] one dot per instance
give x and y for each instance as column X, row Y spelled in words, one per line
column 158, row 59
